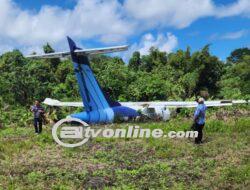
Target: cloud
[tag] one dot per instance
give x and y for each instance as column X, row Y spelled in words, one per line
column 229, row 36
column 109, row 21
column 180, row 14
column 87, row 20
column 214, row 36
column 234, row 35
column 163, row 42
column 241, row 7
column 163, row 13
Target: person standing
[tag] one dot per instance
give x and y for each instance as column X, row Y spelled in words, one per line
column 199, row 119
column 38, row 111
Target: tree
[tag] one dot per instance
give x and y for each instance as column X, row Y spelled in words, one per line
column 154, row 59
column 148, row 87
column 113, row 76
column 235, row 83
column 54, row 62
column 48, row 49
column 135, row 61
column 237, row 55
column 210, row 70
column 178, row 75
column 12, row 77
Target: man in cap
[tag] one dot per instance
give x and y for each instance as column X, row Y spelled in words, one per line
column 199, row 119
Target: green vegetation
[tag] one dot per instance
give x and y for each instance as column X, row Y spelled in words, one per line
column 157, row 76
column 222, row 162
column 28, row 161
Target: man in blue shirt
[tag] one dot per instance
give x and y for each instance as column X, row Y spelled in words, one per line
column 38, row 111
column 199, row 119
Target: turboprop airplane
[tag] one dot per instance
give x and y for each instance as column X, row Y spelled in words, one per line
column 98, row 107
column 159, row 110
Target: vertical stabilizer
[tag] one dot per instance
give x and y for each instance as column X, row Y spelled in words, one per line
column 90, row 91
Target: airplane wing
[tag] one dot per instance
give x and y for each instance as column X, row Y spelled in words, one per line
column 95, row 51
column 140, row 105
column 53, row 102
column 183, row 104
column 175, row 104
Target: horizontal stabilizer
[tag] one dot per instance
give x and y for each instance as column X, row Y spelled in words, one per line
column 85, row 52
column 50, row 55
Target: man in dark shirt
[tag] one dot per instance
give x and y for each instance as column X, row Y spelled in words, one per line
column 38, row 111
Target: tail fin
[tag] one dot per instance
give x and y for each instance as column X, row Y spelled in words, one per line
column 90, row 91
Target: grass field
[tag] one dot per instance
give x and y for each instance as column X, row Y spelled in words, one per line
column 29, row 161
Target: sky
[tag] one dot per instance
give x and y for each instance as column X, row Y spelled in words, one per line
column 166, row 24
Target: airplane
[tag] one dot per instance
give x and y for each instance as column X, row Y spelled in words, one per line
column 98, row 106
column 153, row 110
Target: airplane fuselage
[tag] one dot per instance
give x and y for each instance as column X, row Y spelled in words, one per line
column 106, row 115
column 99, row 108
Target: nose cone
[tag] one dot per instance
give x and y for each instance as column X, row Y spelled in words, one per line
column 82, row 116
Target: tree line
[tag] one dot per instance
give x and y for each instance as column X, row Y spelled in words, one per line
column 181, row 75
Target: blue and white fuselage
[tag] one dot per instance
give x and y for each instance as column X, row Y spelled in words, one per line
column 99, row 109
column 106, row 115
